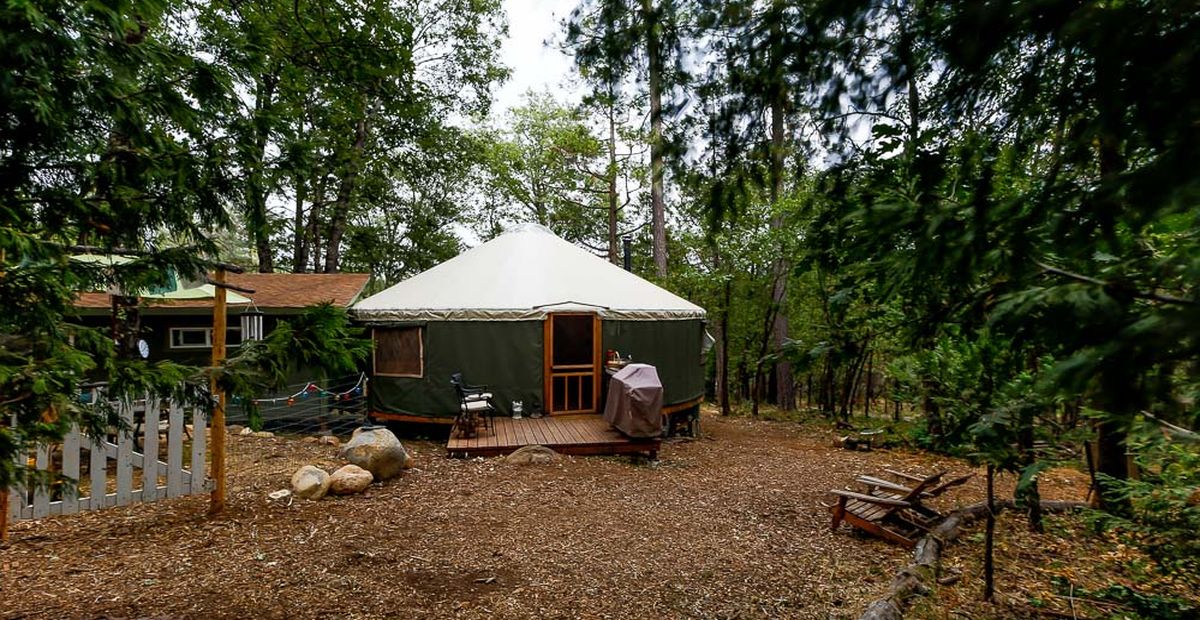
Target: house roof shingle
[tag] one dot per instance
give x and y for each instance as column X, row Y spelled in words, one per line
column 271, row 291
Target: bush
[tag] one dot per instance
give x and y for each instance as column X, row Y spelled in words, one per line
column 1164, row 505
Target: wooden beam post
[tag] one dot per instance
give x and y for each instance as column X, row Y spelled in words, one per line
column 217, row 504
column 4, row 500
column 3, row 491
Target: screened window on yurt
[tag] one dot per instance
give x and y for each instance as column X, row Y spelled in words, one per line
column 399, row 352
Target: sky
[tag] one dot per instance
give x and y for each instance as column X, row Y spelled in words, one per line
column 534, row 64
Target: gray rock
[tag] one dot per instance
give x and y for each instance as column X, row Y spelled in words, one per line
column 378, row 451
column 310, row 482
column 532, row 455
column 329, row 440
column 350, row 479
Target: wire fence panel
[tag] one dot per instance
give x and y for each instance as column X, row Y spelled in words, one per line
column 261, row 449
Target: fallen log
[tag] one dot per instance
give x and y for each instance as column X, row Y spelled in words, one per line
column 917, row 578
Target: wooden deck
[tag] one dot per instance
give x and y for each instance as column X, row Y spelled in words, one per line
column 575, row 434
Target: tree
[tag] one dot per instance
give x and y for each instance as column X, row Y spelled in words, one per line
column 548, row 167
column 606, row 36
column 766, row 62
column 1059, row 213
column 539, row 167
column 341, row 99
column 108, row 141
column 428, row 61
column 112, row 142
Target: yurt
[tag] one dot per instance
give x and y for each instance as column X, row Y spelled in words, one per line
column 535, row 319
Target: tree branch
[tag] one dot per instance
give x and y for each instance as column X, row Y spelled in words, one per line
column 1177, row 431
column 1147, row 295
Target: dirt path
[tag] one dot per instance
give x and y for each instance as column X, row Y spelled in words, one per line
column 725, row 526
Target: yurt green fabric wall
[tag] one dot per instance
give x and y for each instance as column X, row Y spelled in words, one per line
column 504, row 355
column 507, row 356
column 672, row 347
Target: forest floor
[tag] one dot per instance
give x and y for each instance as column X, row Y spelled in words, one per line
column 729, row 525
column 1067, row 571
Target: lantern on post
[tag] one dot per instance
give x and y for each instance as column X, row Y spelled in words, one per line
column 252, row 325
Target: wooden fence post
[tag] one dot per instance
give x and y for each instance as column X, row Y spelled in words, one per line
column 4, row 501
column 217, row 504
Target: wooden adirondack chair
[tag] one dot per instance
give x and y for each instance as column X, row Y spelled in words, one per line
column 935, row 491
column 888, row 510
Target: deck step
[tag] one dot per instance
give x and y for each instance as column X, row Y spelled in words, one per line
column 575, row 434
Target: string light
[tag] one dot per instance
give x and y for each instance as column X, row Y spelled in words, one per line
column 312, row 389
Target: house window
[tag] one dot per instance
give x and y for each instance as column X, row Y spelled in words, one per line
column 399, row 351
column 201, row 337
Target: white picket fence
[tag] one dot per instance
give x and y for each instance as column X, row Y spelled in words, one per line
column 155, row 479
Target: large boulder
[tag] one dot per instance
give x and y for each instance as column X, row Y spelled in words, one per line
column 532, row 455
column 310, row 482
column 376, row 450
column 349, row 479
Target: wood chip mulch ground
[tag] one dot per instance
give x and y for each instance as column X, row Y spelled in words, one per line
column 730, row 525
column 1067, row 571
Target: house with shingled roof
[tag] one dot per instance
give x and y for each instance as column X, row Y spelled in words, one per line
column 181, row 329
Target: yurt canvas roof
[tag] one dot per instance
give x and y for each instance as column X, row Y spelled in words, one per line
column 524, row 274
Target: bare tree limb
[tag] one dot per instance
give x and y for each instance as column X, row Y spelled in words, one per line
column 1147, row 295
column 1177, row 431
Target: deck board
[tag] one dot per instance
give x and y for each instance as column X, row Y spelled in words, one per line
column 553, row 434
column 575, row 434
column 523, row 435
column 571, row 434
column 541, row 433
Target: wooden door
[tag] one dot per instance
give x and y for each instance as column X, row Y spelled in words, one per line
column 572, row 363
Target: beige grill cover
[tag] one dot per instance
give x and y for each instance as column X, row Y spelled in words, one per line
column 635, row 399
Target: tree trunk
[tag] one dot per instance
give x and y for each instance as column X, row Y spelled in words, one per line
column 1110, row 461
column 614, row 250
column 723, row 350
column 257, row 219
column 743, row 374
column 1070, row 414
column 345, row 194
column 783, row 368
column 1115, row 399
column 764, row 343
column 1030, row 498
column 655, row 78
column 852, row 379
column 312, row 241
column 828, row 387
column 933, row 414
column 870, row 384
column 299, row 232
column 907, row 56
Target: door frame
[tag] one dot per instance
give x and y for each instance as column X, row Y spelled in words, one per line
column 548, row 374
